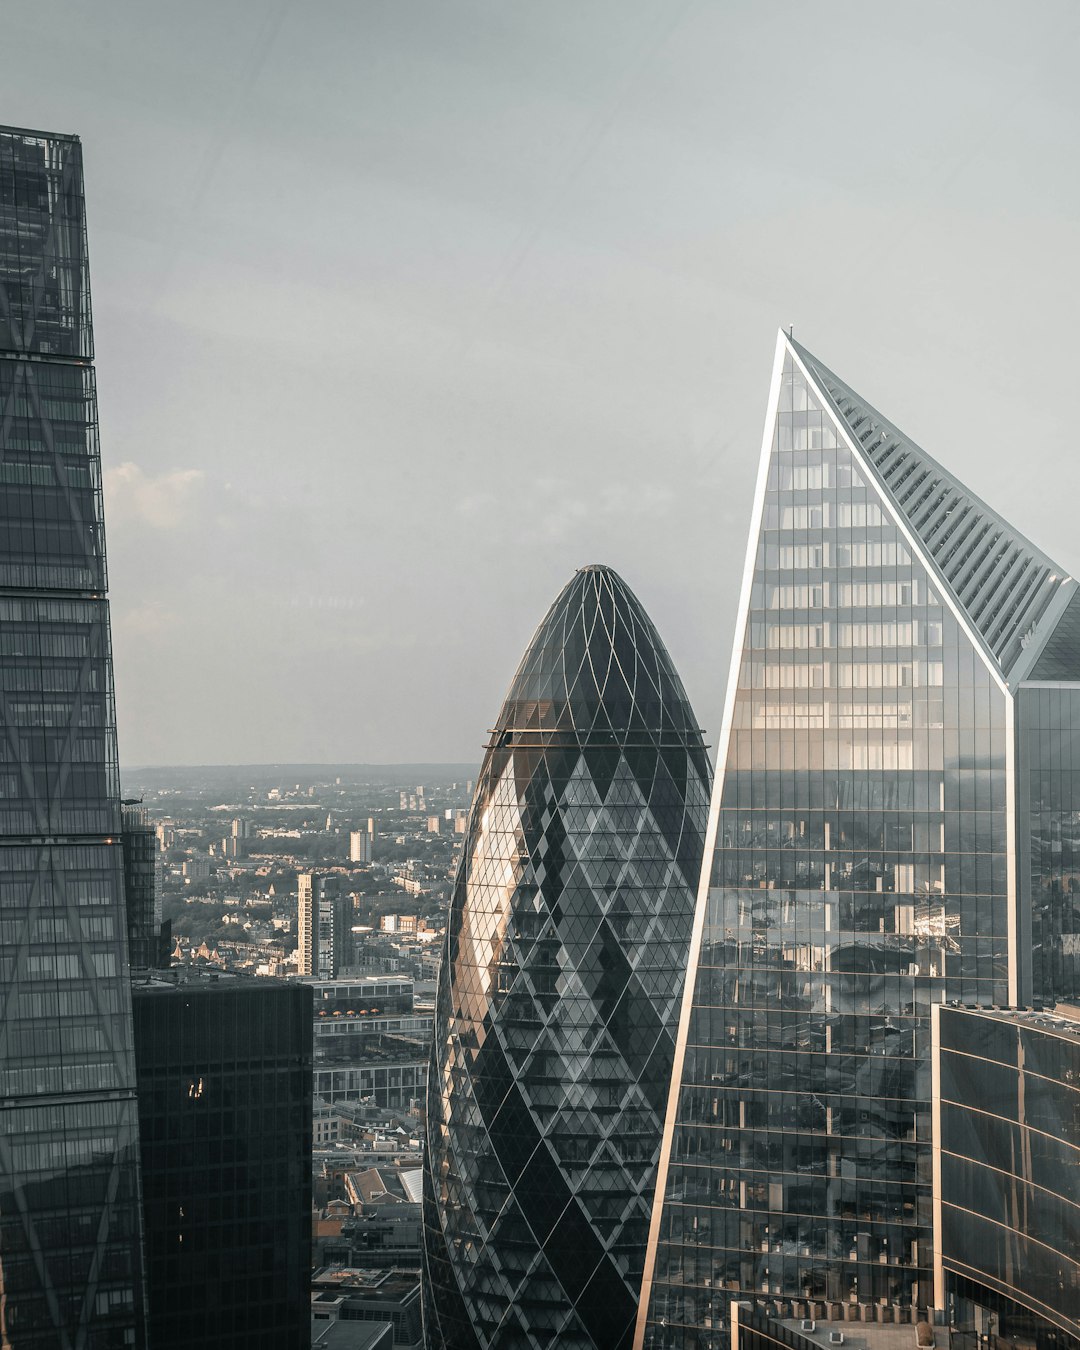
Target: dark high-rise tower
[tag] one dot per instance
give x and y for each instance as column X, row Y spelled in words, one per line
column 224, row 1065
column 567, row 946
column 70, row 1267
column 895, row 827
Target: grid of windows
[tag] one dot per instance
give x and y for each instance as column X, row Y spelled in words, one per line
column 860, row 876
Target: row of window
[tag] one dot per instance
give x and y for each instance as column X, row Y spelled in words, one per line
column 777, row 557
column 842, row 675
column 842, row 595
column 800, row 636
column 843, row 515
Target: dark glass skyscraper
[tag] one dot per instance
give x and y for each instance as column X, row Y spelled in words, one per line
column 895, row 813
column 70, row 1266
column 224, row 1069
column 568, row 937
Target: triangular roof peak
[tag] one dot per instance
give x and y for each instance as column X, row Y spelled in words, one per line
column 1010, row 593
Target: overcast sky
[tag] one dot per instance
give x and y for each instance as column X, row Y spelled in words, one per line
column 405, row 310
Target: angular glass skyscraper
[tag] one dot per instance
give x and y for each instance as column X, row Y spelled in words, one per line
column 70, row 1265
column 893, row 826
column 559, row 994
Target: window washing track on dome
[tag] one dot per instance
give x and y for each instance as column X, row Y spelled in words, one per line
column 1006, row 587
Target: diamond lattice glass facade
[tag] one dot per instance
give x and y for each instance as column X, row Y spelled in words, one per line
column 568, row 936
column 70, row 1269
column 869, row 823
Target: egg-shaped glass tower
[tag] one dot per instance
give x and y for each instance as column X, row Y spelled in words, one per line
column 560, row 989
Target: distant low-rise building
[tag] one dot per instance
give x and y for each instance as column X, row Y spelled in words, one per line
column 196, row 868
column 328, row 1333
column 370, row 1043
column 356, row 1295
column 398, row 923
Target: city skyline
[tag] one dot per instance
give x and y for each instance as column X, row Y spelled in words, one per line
column 648, row 1061
column 541, row 251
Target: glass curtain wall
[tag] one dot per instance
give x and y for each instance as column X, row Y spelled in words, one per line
column 860, row 874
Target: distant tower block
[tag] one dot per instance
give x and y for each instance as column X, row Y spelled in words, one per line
column 324, row 919
column 371, row 827
column 359, row 846
column 434, row 824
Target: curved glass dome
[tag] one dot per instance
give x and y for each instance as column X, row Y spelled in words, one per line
column 560, row 990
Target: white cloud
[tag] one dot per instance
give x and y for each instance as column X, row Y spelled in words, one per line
column 144, row 621
column 161, row 501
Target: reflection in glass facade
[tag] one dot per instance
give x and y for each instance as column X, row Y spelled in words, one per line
column 558, row 998
column 1009, row 1209
column 865, row 868
column 70, row 1269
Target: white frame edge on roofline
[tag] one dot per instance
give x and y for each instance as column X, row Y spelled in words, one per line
column 649, row 1270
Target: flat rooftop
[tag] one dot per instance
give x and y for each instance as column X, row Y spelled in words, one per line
column 332, row 1281
column 1062, row 1020
column 178, row 979
column 857, row 1335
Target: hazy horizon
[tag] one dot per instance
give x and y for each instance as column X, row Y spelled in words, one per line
column 404, row 312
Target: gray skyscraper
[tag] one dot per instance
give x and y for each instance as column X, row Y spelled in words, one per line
column 894, row 818
column 70, row 1265
column 558, row 996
